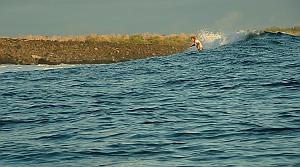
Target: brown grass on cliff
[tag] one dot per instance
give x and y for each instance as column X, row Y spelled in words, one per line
column 116, row 38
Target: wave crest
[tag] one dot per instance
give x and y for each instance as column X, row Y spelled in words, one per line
column 215, row 39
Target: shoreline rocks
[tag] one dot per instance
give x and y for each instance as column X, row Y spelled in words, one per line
column 22, row 51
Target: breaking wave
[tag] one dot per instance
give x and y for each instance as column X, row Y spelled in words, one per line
column 215, row 39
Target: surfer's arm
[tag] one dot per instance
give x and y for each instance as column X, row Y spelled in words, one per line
column 193, row 44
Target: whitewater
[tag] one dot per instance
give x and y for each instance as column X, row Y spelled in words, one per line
column 234, row 104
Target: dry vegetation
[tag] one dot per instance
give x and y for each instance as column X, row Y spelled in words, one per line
column 88, row 49
column 145, row 38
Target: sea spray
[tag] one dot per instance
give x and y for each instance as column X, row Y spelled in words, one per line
column 215, row 39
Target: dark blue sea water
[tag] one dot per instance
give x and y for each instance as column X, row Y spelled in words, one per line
column 234, row 105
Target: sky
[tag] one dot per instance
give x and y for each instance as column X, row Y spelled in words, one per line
column 73, row 17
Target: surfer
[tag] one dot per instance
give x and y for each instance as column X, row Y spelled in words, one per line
column 197, row 43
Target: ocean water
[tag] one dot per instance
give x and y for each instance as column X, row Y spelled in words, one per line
column 233, row 105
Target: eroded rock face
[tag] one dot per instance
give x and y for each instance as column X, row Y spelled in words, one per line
column 20, row 51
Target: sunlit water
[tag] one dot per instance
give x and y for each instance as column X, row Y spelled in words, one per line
column 234, row 105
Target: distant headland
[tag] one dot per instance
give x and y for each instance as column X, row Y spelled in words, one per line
column 289, row 30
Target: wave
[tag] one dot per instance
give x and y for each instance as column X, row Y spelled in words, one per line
column 20, row 68
column 215, row 39
column 271, row 130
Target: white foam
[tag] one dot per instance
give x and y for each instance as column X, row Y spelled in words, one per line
column 215, row 39
column 18, row 68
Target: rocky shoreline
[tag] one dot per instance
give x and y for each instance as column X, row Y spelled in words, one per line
column 24, row 51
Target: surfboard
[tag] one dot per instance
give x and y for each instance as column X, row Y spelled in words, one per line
column 192, row 51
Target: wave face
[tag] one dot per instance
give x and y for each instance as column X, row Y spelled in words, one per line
column 234, row 104
column 213, row 40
